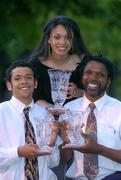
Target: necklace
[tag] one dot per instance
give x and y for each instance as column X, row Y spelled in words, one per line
column 68, row 63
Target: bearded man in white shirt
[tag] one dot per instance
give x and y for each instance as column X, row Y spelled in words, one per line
column 21, row 80
column 96, row 73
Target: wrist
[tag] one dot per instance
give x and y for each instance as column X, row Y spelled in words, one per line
column 19, row 151
column 100, row 149
column 52, row 143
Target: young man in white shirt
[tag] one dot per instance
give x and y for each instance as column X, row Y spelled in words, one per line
column 21, row 79
column 95, row 73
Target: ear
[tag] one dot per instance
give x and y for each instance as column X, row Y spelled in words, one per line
column 49, row 40
column 9, row 85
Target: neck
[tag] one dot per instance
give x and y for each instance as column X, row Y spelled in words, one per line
column 24, row 100
column 93, row 98
column 56, row 59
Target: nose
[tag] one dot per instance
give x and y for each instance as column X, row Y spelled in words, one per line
column 93, row 76
column 24, row 80
column 62, row 40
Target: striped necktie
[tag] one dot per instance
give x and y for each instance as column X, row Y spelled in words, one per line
column 31, row 164
column 91, row 160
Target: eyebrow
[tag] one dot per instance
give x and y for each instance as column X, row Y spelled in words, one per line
column 24, row 75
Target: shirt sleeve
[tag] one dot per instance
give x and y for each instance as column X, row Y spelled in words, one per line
column 8, row 156
column 8, row 138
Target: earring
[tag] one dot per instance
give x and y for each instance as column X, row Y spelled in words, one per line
column 49, row 49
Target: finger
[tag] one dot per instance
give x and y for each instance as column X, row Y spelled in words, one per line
column 84, row 135
column 81, row 148
column 82, row 125
column 70, row 84
column 69, row 93
column 32, row 145
column 42, row 153
column 69, row 96
column 54, row 124
column 62, row 123
column 66, row 146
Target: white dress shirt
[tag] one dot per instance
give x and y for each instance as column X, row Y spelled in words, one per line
column 12, row 136
column 108, row 116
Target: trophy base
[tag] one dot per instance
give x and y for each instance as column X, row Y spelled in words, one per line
column 72, row 145
column 46, row 149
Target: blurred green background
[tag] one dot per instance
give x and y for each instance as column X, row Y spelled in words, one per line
column 22, row 21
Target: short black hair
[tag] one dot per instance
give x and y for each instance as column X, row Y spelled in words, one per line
column 110, row 67
column 18, row 63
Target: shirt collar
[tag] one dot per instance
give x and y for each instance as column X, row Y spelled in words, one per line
column 18, row 105
column 99, row 103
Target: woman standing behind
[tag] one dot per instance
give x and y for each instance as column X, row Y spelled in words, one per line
column 61, row 47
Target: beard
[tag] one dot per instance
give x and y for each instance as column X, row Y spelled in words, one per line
column 98, row 91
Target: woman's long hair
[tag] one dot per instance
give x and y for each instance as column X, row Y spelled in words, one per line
column 44, row 49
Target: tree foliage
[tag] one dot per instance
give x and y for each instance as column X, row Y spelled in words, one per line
column 22, row 24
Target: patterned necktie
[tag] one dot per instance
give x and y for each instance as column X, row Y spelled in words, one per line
column 31, row 164
column 91, row 160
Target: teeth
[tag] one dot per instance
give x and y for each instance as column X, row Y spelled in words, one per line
column 93, row 85
column 25, row 88
column 62, row 48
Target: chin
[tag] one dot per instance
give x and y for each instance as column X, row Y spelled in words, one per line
column 92, row 92
column 26, row 96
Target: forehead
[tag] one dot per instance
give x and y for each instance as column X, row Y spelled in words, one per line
column 59, row 29
column 95, row 66
column 21, row 71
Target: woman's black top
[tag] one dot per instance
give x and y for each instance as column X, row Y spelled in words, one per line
column 43, row 90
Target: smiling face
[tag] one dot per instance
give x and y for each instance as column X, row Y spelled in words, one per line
column 60, row 41
column 22, row 84
column 95, row 80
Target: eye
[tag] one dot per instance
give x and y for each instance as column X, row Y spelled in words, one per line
column 16, row 78
column 56, row 37
column 68, row 38
column 100, row 75
column 88, row 72
column 29, row 77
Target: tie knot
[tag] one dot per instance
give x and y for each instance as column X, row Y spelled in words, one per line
column 26, row 110
column 92, row 106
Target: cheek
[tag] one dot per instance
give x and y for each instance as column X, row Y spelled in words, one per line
column 83, row 82
column 53, row 44
column 103, row 83
column 69, row 43
column 52, row 40
column 84, row 79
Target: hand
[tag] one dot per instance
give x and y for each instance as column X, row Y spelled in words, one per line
column 63, row 127
column 90, row 145
column 73, row 91
column 30, row 151
column 55, row 111
column 54, row 132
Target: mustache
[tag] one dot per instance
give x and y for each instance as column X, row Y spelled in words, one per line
column 93, row 82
